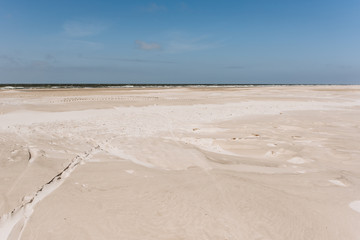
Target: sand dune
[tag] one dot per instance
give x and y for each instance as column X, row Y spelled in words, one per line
column 180, row 163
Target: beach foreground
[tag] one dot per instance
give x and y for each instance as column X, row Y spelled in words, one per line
column 279, row 162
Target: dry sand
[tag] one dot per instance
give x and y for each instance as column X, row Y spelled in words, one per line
column 180, row 163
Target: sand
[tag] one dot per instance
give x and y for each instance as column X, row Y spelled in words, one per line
column 280, row 162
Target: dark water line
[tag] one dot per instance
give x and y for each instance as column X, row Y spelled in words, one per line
column 46, row 86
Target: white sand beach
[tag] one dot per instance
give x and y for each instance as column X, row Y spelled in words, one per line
column 271, row 162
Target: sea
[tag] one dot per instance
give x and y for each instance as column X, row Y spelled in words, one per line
column 55, row 86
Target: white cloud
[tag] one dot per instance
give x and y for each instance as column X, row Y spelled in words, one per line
column 9, row 60
column 153, row 7
column 147, row 46
column 175, row 46
column 50, row 58
column 81, row 44
column 181, row 42
column 132, row 60
column 25, row 62
column 7, row 16
column 183, row 6
column 79, row 29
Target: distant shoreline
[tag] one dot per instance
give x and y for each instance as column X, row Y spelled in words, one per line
column 85, row 85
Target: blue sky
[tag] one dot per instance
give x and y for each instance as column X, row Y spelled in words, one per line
column 254, row 41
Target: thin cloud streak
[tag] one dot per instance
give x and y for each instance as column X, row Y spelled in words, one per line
column 153, row 7
column 236, row 67
column 183, row 6
column 134, row 60
column 148, row 46
column 81, row 44
column 79, row 29
column 9, row 60
column 175, row 47
column 182, row 41
column 7, row 16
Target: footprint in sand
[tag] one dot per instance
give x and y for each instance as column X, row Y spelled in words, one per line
column 20, row 154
